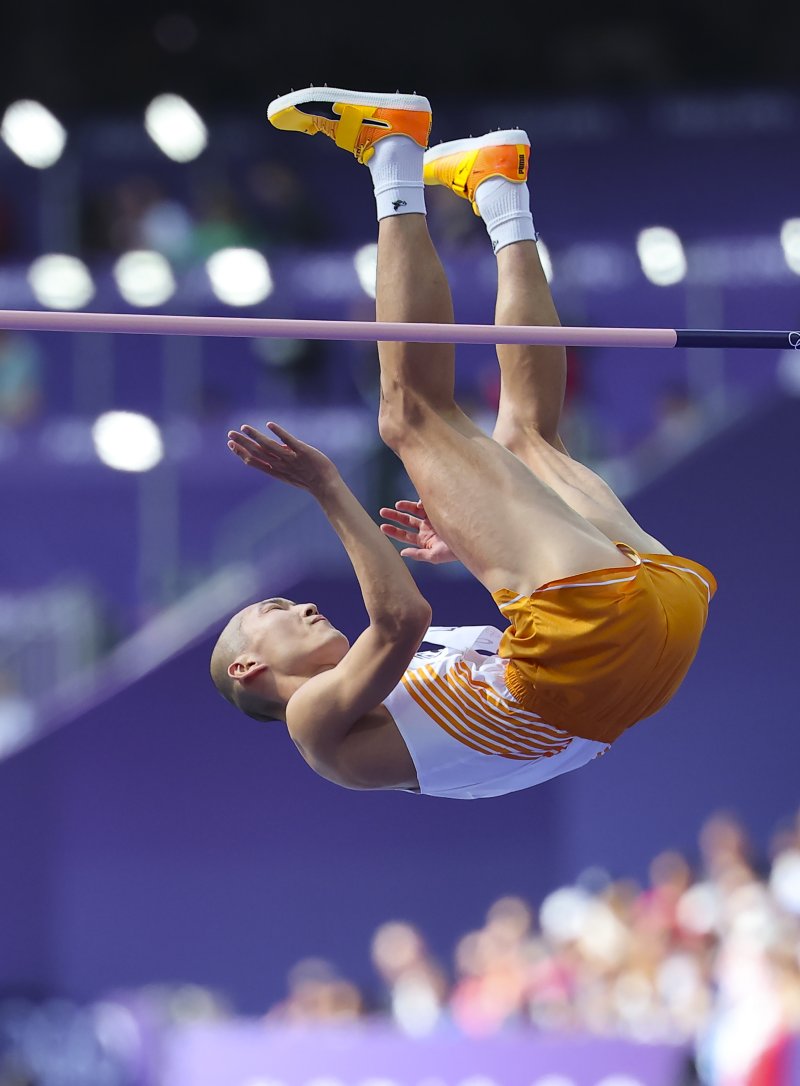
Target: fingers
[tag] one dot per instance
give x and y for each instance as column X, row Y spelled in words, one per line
column 264, row 454
column 399, row 517
column 416, row 554
column 398, row 534
column 259, row 439
column 410, row 507
column 259, row 445
column 288, row 439
column 252, row 455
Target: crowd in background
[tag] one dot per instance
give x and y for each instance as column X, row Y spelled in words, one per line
column 707, row 953
column 704, row 954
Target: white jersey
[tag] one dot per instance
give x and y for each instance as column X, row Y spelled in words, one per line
column 467, row 736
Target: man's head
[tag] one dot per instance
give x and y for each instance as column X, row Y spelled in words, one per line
column 268, row 650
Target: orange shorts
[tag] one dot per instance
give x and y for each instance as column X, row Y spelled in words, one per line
column 595, row 653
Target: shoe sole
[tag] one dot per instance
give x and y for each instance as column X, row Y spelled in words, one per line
column 414, row 102
column 508, row 138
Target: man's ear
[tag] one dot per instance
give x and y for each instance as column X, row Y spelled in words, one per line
column 244, row 668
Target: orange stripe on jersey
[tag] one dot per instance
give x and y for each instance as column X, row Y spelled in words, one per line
column 465, row 716
column 490, row 694
column 522, row 717
column 509, row 726
column 513, row 746
column 449, row 715
column 422, row 696
column 497, row 726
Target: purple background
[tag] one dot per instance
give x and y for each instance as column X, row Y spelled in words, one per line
column 162, row 836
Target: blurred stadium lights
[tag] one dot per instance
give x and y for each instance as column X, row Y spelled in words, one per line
column 175, row 127
column 239, row 276
column 60, row 281
column 790, row 240
column 144, row 278
column 366, row 265
column 127, row 441
column 661, row 255
column 32, row 132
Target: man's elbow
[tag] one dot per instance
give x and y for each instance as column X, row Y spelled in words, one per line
column 408, row 619
column 419, row 617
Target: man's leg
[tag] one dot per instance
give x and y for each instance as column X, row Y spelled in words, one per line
column 531, row 394
column 491, row 171
column 510, row 529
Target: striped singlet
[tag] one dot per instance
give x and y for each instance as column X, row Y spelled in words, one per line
column 466, row 734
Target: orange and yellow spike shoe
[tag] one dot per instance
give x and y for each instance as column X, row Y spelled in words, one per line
column 362, row 117
column 461, row 165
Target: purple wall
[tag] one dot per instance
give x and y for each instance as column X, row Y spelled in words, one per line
column 229, row 1055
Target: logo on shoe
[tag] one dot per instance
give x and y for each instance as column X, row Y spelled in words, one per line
column 521, row 166
column 397, row 204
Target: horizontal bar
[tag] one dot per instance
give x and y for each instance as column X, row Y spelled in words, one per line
column 271, row 328
column 700, row 337
column 274, row 328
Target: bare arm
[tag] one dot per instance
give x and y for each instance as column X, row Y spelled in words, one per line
column 325, row 708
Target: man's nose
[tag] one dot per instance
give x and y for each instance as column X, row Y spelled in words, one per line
column 307, row 609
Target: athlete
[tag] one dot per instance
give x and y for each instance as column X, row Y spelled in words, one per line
column 601, row 621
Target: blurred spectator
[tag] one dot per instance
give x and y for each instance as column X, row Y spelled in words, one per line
column 293, row 371
column 282, row 206
column 219, row 222
column 492, row 970
column 414, row 986
column 136, row 213
column 317, row 994
column 20, row 378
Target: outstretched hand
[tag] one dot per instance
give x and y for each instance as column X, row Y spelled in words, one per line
column 290, row 459
column 412, row 527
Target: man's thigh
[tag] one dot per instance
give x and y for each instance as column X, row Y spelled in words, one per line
column 507, row 525
column 584, row 490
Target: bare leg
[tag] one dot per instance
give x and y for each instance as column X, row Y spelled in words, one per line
column 508, row 527
column 531, row 397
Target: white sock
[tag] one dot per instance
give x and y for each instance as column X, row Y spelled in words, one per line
column 505, row 208
column 396, row 168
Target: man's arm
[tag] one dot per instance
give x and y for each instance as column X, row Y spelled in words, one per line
column 323, row 711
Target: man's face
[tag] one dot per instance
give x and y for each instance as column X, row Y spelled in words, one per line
column 293, row 638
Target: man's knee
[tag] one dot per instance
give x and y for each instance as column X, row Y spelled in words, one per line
column 524, row 438
column 400, row 415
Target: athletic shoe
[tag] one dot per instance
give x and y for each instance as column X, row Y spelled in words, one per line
column 362, row 118
column 461, row 165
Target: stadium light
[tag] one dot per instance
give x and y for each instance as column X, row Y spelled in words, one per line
column 790, row 240
column 127, row 441
column 60, row 281
column 175, row 127
column 32, row 132
column 239, row 276
column 661, row 255
column 144, row 278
